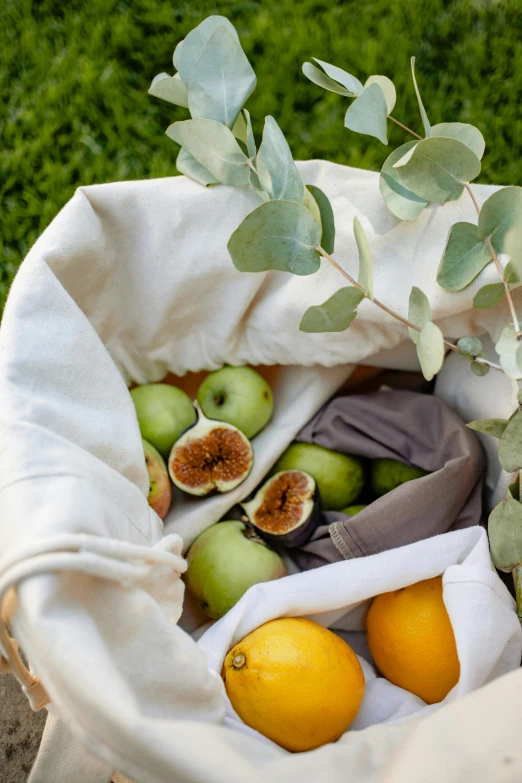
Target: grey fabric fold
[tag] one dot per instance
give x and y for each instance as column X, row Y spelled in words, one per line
column 417, row 429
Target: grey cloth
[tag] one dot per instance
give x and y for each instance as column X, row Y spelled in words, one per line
column 417, row 429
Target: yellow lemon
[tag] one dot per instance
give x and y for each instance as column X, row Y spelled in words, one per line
column 295, row 682
column 412, row 642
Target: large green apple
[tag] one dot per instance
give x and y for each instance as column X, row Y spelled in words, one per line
column 339, row 477
column 164, row 413
column 224, row 561
column 352, row 511
column 239, row 396
column 388, row 474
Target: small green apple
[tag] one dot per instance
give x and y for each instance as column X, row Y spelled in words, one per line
column 164, row 413
column 339, row 477
column 224, row 561
column 388, row 474
column 352, row 510
column 160, row 489
column 239, row 396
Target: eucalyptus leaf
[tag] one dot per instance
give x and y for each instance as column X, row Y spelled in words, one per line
column 438, row 169
column 276, row 169
column 255, row 184
column 322, row 80
column 514, row 490
column 169, row 88
column 419, row 312
column 467, row 134
column 221, row 80
column 239, row 129
column 250, row 140
column 187, row 164
column 479, row 369
column 511, row 275
column 488, row 296
column 505, row 534
column 518, row 356
column 506, row 348
column 404, row 159
column 510, row 444
column 512, row 244
column 176, row 56
column 464, row 257
column 311, row 204
column 365, row 259
column 278, row 235
column 368, row 113
column 327, row 220
column 401, row 202
column 388, row 88
column 346, row 79
column 469, row 347
column 196, row 41
column 213, row 145
column 493, row 427
column 424, row 116
column 500, row 212
column 430, row 350
column 334, row 315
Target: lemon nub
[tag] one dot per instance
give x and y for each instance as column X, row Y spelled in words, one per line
column 239, row 661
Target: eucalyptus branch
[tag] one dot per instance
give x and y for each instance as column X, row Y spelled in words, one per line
column 386, row 309
column 500, row 271
column 489, row 243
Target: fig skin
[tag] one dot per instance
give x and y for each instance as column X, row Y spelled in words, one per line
column 160, row 489
column 211, row 456
column 286, row 510
column 164, row 413
column 239, row 396
column 224, row 561
column 339, row 477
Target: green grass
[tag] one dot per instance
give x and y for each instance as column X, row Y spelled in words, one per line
column 74, row 77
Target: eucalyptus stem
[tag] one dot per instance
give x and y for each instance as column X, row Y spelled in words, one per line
column 395, row 315
column 405, row 127
column 517, row 579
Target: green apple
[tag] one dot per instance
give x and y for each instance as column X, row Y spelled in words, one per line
column 160, row 489
column 239, row 396
column 339, row 477
column 388, row 474
column 224, row 561
column 352, row 510
column 164, row 413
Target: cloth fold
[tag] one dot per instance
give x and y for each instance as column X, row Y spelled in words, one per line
column 417, row 429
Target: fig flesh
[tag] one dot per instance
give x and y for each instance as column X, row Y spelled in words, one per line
column 286, row 510
column 211, row 456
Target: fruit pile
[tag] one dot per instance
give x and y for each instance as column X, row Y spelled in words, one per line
column 207, row 448
column 206, row 444
column 291, row 679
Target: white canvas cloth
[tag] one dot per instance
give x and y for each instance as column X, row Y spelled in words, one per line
column 132, row 280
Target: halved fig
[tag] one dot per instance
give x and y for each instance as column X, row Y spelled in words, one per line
column 160, row 490
column 211, row 455
column 286, row 510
